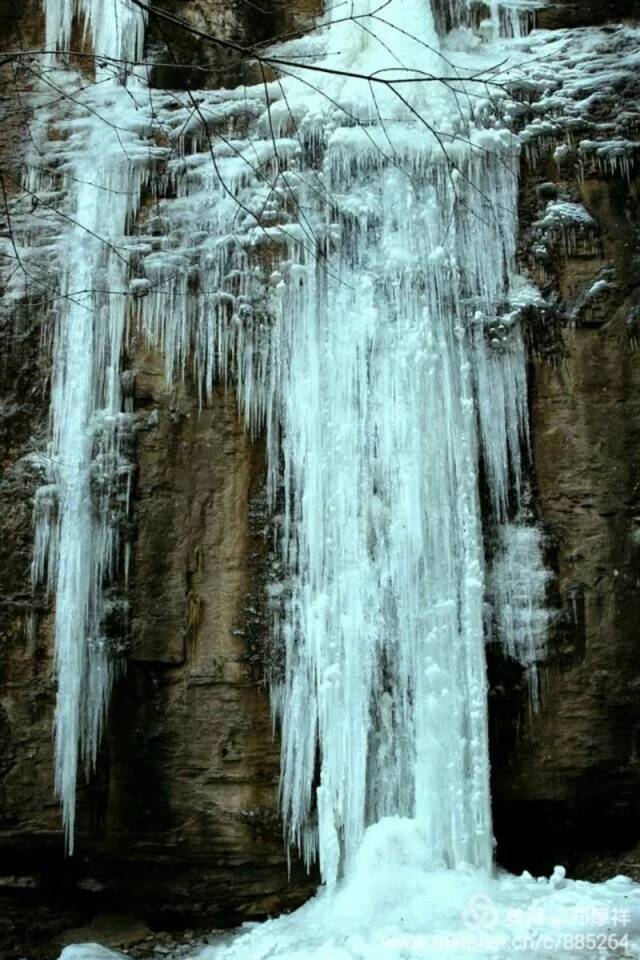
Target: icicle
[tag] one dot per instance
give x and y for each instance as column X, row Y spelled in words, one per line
column 114, row 27
column 507, row 18
column 78, row 512
column 87, row 457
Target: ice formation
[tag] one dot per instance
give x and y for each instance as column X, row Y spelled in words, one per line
column 366, row 354
column 80, row 509
column 517, row 588
column 393, row 906
column 373, row 372
column 349, row 266
column 114, row 28
column 506, row 19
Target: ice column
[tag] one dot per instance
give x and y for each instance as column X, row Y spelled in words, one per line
column 371, row 368
column 115, row 28
column 78, row 512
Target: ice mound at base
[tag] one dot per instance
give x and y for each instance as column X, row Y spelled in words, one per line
column 395, row 906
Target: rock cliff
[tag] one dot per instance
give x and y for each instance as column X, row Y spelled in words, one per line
column 179, row 824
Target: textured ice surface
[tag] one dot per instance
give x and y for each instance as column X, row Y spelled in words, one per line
column 582, row 82
column 513, row 18
column 364, row 351
column 372, row 371
column 89, row 951
column 114, row 28
column 565, row 213
column 517, row 591
column 394, row 907
column 99, row 169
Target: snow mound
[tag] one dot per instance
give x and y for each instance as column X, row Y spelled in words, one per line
column 89, row 951
column 393, row 908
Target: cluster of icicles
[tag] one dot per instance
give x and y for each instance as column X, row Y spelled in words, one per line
column 349, row 267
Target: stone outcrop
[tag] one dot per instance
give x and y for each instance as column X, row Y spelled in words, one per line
column 584, row 13
column 182, row 808
column 190, row 60
column 189, row 785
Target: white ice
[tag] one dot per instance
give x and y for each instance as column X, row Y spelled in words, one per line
column 114, row 28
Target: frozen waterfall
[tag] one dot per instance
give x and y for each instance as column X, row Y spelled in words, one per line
column 345, row 265
column 337, row 244
column 80, row 510
column 366, row 369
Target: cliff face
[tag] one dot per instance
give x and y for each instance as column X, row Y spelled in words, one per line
column 180, row 819
column 189, row 792
column 567, row 785
column 573, row 775
column 183, row 804
column 584, row 13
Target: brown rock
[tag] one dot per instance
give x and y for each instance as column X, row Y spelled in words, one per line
column 569, row 786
